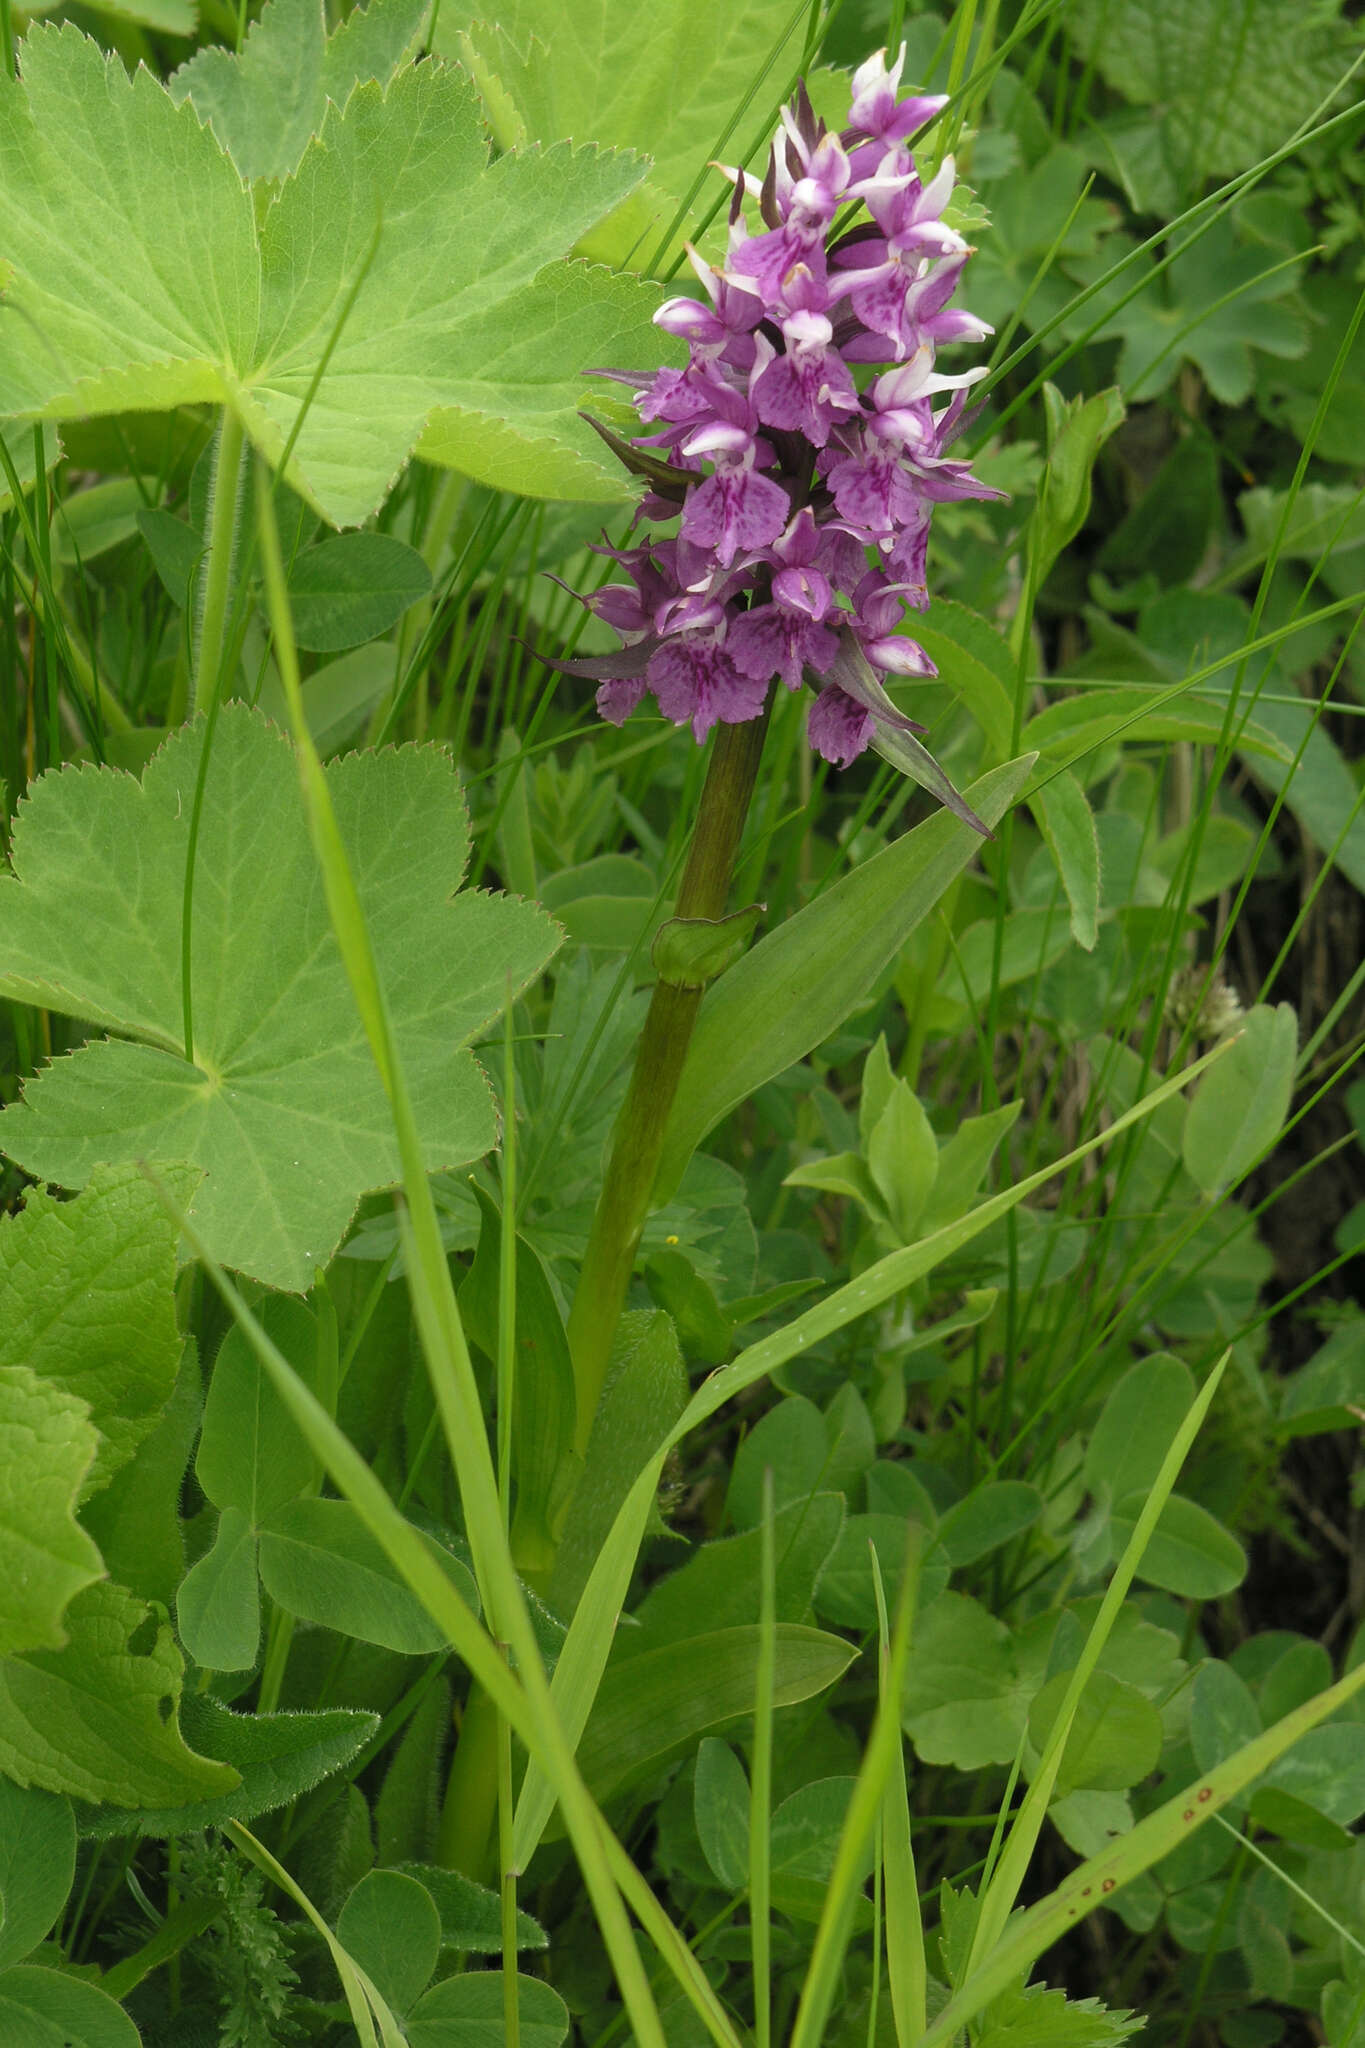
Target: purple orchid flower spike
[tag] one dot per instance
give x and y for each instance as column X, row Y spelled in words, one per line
column 803, row 493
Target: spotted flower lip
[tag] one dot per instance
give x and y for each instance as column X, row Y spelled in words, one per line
column 803, row 445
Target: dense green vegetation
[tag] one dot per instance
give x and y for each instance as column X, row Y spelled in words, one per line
column 850, row 1535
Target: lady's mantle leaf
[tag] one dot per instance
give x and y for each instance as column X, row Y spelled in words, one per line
column 1219, row 300
column 283, row 1108
column 97, row 1719
column 89, row 1300
column 141, row 278
column 666, row 80
column 266, row 103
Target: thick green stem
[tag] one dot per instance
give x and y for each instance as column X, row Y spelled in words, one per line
column 637, row 1143
column 471, row 1789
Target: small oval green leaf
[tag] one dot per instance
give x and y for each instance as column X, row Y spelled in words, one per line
column 353, row 588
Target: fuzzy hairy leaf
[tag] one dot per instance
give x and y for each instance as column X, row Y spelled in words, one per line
column 97, row 1719
column 274, row 1758
column 46, row 1444
column 471, row 1915
column 466, row 324
column 89, row 1304
column 283, row 1107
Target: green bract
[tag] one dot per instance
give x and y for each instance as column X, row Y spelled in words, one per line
column 146, row 270
column 283, row 1108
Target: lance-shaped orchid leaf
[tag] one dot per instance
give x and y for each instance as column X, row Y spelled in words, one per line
column 282, row 1106
column 143, row 273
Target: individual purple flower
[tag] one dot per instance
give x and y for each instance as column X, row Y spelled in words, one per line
column 697, row 684
column 803, row 500
column 896, row 462
column 723, row 329
column 906, row 558
column 838, row 728
column 884, row 269
column 787, row 637
column 618, row 696
column 876, row 112
column 877, row 611
column 806, row 204
column 809, row 388
column 736, row 507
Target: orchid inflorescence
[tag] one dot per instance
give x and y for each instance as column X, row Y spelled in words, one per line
column 791, row 479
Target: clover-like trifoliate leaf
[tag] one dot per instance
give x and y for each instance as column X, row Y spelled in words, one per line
column 40, row 2007
column 671, row 80
column 88, row 1288
column 97, row 1718
column 281, row 1107
column 266, row 102
column 144, row 273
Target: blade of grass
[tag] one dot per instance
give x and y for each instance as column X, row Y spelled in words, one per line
column 761, row 1781
column 906, row 1971
column 676, row 1953
column 507, row 1354
column 884, row 1745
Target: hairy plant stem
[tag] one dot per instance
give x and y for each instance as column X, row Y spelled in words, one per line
column 622, row 1207
column 209, row 664
column 216, row 587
